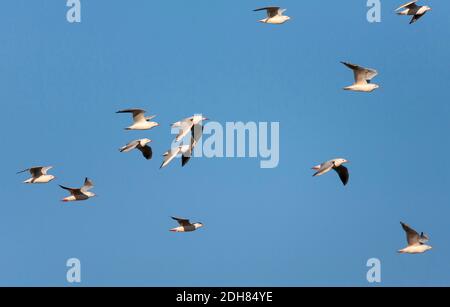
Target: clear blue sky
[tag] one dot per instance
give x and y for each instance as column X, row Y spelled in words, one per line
column 61, row 84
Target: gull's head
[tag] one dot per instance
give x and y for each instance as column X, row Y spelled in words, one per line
column 198, row 225
column 371, row 87
column 198, row 119
column 153, row 124
column 287, row 18
column 427, row 8
column 340, row 161
column 145, row 141
column 90, row 194
column 428, row 248
column 51, row 177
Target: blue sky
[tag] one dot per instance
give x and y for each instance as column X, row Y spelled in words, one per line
column 62, row 83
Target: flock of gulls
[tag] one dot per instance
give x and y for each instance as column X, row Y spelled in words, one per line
column 193, row 125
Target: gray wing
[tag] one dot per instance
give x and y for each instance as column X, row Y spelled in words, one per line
column 411, row 235
column 362, row 75
column 272, row 11
column 138, row 114
column 129, row 147
column 179, row 123
column 409, row 5
column 423, row 238
column 88, row 184
column 343, row 174
column 324, row 167
column 185, row 128
column 182, row 222
column 169, row 156
column 45, row 169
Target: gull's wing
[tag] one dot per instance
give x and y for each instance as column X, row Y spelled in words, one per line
column 187, row 152
column 146, row 151
column 272, row 11
column 182, row 222
column 423, row 238
column 138, row 114
column 169, row 156
column 180, row 123
column 130, row 146
column 185, row 128
column 36, row 171
column 185, row 159
column 343, row 173
column 415, row 18
column 362, row 75
column 197, row 132
column 411, row 235
column 72, row 191
column 88, row 184
column 45, row 169
column 409, row 5
column 324, row 168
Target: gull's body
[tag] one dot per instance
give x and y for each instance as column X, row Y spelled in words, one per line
column 141, row 145
column 82, row 193
column 363, row 76
column 188, row 125
column 185, row 225
column 140, row 121
column 412, row 9
column 416, row 242
column 335, row 164
column 274, row 15
column 38, row 174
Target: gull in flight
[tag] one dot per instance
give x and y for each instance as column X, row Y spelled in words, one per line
column 335, row 164
column 81, row 193
column 38, row 174
column 411, row 8
column 184, row 150
column 416, row 242
column 185, row 225
column 141, row 145
column 363, row 76
column 188, row 124
column 274, row 15
column 140, row 122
